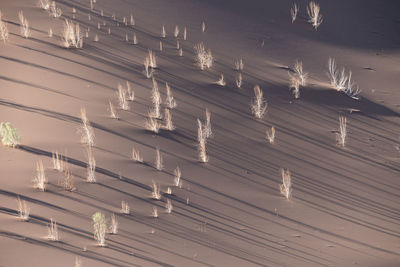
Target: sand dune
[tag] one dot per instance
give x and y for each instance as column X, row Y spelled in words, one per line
column 344, row 206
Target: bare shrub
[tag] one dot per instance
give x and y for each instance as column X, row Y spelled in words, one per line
column 221, row 80
column 148, row 71
column 207, row 126
column 163, row 32
column 96, row 38
column 152, row 59
column 23, row 210
column 239, row 65
column 315, row 18
column 44, row 4
column 156, row 191
column 259, row 105
column 201, row 138
column 177, row 177
column 170, row 101
column 134, row 39
column 58, row 162
column 78, row 262
column 342, row 133
column 286, row 186
column 136, row 155
column 168, row 206
column 204, row 59
column 239, row 80
column 24, row 25
column 68, row 182
column 50, row 33
column 113, row 111
column 86, row 130
column 155, row 212
column 91, row 166
column 176, row 31
column 40, row 180
column 122, row 98
column 52, row 231
column 152, row 124
column 54, row 11
column 72, row 36
column 293, row 12
column 168, row 120
column 132, row 21
column 3, row 29
column 156, row 100
column 125, row 209
column 297, row 78
column 341, row 81
column 203, row 26
column 114, row 224
column 184, row 33
column 270, row 135
column 159, row 160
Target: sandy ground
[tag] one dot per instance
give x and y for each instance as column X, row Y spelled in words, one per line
column 345, row 207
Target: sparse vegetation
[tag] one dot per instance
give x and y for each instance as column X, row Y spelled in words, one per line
column 113, row 111
column 156, row 191
column 286, row 186
column 40, row 180
column 54, row 11
column 72, row 36
column 239, row 80
column 168, row 206
column 99, row 228
column 136, row 155
column 204, row 59
column 168, row 120
column 239, row 65
column 114, row 224
column 3, row 29
column 86, row 130
column 91, row 166
column 176, row 31
column 155, row 212
column 203, row 26
column 122, row 98
column 125, row 209
column 52, row 231
column 314, row 17
column 159, row 160
column 207, row 126
column 156, row 100
column 163, row 32
column 270, row 135
column 201, row 138
column 293, row 12
column 170, row 101
column 297, row 78
column 24, row 25
column 68, row 182
column 23, row 209
column 341, row 81
column 258, row 105
column 221, row 80
column 148, row 72
column 9, row 135
column 152, row 124
column 177, row 177
column 342, row 133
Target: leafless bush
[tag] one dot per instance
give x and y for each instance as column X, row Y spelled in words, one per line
column 270, row 135
column 342, row 133
column 239, row 65
column 168, row 206
column 176, row 31
column 58, row 162
column 156, row 99
column 152, row 124
column 132, row 21
column 152, row 59
column 136, row 155
column 148, row 71
column 125, row 209
column 293, row 12
column 86, row 130
column 122, row 98
column 342, row 81
column 155, row 212
column 54, row 11
column 315, row 18
column 40, row 179
column 52, row 231
column 68, row 182
column 113, row 111
column 91, row 166
column 168, row 120
column 203, row 26
column 204, row 59
column 24, row 25
column 170, row 101
column 177, row 177
column 286, row 186
column 184, row 33
column 259, row 105
column 72, row 36
column 221, row 80
column 23, row 210
column 207, row 126
column 114, row 224
column 156, row 191
column 163, row 32
column 239, row 80
column 3, row 29
column 159, row 160
column 201, row 138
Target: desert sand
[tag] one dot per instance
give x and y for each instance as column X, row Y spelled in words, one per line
column 344, row 208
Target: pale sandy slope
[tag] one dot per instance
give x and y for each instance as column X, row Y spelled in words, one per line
column 345, row 208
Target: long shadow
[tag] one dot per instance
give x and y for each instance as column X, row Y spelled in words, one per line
column 341, row 100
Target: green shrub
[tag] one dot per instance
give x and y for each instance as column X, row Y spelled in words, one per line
column 9, row 135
